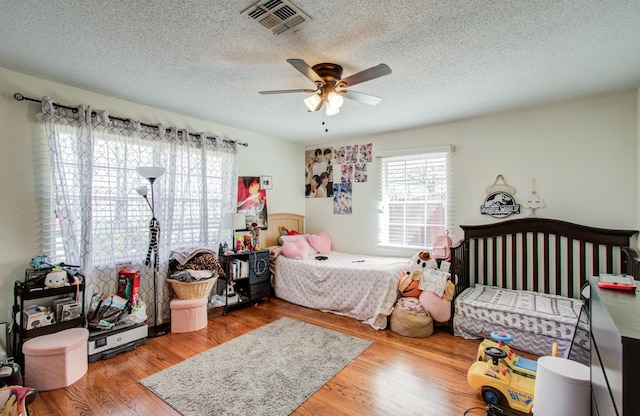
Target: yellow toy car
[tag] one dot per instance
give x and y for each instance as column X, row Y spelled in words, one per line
column 502, row 376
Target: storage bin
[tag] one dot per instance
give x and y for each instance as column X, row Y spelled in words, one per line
column 56, row 360
column 410, row 319
column 188, row 315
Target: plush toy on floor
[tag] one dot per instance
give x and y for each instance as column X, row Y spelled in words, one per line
column 408, row 284
column 432, row 286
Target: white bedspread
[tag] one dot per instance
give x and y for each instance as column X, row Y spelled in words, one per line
column 362, row 287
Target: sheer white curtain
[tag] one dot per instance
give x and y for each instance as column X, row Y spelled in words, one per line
column 103, row 222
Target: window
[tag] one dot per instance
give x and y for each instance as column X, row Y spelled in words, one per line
column 119, row 216
column 414, row 199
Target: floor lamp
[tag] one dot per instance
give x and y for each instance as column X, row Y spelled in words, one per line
column 152, row 173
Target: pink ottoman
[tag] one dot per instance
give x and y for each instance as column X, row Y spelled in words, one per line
column 188, row 315
column 56, row 360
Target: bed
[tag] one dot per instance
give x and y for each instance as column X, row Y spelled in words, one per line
column 358, row 286
column 524, row 277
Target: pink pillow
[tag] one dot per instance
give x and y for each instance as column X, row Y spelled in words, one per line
column 298, row 237
column 296, row 249
column 321, row 242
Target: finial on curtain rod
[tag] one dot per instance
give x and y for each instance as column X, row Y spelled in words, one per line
column 19, row 97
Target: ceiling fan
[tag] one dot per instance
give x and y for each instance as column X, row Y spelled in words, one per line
column 331, row 88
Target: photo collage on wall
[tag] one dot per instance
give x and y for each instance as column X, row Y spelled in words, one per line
column 331, row 172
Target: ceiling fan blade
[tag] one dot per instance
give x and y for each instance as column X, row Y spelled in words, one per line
column 366, row 75
column 362, row 97
column 286, row 91
column 306, row 70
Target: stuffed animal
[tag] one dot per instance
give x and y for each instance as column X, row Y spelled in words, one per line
column 423, row 261
column 56, row 278
column 409, row 285
column 285, row 231
column 438, row 305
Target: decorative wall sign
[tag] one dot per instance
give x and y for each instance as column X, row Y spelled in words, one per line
column 499, row 205
column 500, row 202
column 533, row 201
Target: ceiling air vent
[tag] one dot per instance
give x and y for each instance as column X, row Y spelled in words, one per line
column 276, row 15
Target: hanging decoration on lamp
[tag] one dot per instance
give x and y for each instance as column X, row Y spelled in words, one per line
column 331, row 88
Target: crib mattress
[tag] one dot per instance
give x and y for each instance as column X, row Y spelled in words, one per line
column 536, row 320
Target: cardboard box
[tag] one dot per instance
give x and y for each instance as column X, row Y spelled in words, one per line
column 33, row 317
column 70, row 311
column 129, row 285
column 57, row 306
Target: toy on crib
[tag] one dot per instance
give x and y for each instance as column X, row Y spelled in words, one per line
column 502, row 376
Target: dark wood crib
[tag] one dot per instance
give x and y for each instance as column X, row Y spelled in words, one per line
column 540, row 255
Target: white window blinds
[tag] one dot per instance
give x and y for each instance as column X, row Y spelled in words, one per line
column 414, row 201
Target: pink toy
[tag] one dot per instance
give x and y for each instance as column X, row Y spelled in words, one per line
column 296, row 249
column 442, row 246
column 439, row 307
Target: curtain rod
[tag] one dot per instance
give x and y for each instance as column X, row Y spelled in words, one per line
column 19, row 97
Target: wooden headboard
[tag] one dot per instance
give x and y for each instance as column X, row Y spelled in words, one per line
column 269, row 237
column 538, row 254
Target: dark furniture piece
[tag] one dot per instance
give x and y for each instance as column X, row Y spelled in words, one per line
column 615, row 351
column 26, row 291
column 538, row 254
column 251, row 280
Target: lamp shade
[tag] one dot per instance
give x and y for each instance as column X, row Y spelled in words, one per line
column 330, row 110
column 150, row 172
column 335, row 100
column 312, row 102
column 238, row 221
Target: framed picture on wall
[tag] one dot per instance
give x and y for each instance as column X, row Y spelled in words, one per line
column 266, row 182
column 252, row 201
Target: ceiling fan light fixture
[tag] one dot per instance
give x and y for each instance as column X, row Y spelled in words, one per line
column 312, row 101
column 335, row 100
column 331, row 110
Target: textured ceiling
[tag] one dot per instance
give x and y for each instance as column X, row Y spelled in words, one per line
column 450, row 59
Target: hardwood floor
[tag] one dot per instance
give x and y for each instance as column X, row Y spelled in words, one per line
column 395, row 376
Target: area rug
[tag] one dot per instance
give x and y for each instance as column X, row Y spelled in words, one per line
column 269, row 371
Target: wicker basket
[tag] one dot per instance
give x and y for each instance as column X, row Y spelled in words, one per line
column 193, row 290
column 410, row 323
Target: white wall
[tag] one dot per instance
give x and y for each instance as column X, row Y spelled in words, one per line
column 19, row 235
column 583, row 155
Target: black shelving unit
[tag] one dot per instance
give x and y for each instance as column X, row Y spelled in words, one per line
column 251, row 286
column 27, row 290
